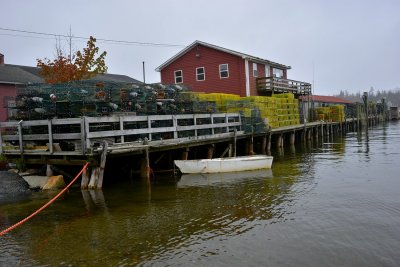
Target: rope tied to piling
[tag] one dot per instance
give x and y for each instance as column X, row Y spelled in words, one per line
column 45, row 205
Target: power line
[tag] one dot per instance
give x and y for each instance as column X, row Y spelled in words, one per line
column 26, row 36
column 98, row 39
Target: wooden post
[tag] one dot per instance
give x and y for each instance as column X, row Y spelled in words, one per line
column 194, row 123
column 250, row 149
column 145, row 165
column 94, row 178
column 292, row 138
column 309, row 134
column 121, row 127
column 327, row 130
column 185, row 154
column 49, row 171
column 50, row 132
column 279, row 141
column 210, row 151
column 212, row 123
column 230, row 150
column 225, row 151
column 83, row 135
column 226, row 121
column 175, row 124
column 269, row 143
column 103, row 158
column 85, row 178
column 87, row 132
column 234, row 142
column 21, row 146
column 264, row 144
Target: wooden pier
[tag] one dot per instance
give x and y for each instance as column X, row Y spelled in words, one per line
column 147, row 140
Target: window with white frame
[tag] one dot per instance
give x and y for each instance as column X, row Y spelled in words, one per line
column 178, row 76
column 255, row 71
column 278, row 73
column 267, row 72
column 223, row 71
column 200, row 74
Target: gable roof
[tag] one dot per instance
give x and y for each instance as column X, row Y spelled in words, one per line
column 229, row 51
column 13, row 74
column 18, row 74
column 325, row 99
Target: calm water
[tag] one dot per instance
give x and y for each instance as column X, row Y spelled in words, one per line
column 335, row 203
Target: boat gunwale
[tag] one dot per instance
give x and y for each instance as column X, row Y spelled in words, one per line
column 244, row 158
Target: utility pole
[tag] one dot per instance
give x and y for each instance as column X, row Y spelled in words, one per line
column 144, row 73
column 70, row 44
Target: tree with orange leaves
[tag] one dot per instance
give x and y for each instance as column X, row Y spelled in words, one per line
column 79, row 66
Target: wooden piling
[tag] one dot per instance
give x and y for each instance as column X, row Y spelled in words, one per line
column 210, row 151
column 49, row 170
column 94, row 178
column 145, row 165
column 269, row 143
column 85, row 179
column 250, row 149
column 234, row 142
column 185, row 154
column 279, row 141
column 230, row 150
column 303, row 135
column 225, row 152
column 322, row 131
column 292, row 139
column 102, row 166
column 263, row 145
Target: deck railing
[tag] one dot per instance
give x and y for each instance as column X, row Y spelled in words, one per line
column 271, row 85
column 80, row 136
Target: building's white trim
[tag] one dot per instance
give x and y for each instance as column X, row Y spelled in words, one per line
column 10, row 82
column 246, row 70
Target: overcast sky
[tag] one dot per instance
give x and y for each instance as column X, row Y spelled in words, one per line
column 340, row 45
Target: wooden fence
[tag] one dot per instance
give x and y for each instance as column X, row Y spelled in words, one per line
column 81, row 136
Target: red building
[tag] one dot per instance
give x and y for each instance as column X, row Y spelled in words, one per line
column 209, row 68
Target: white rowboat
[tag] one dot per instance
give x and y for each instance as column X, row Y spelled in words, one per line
column 237, row 164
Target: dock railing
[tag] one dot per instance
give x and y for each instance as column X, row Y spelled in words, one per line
column 271, row 85
column 81, row 136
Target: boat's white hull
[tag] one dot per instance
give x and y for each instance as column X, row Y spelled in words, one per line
column 216, row 165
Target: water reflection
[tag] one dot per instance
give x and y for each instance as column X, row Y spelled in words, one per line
column 126, row 223
column 221, row 179
column 309, row 196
